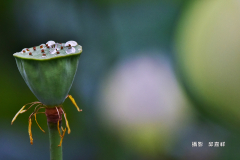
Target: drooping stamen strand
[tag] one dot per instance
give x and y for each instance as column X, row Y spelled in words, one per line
column 64, row 131
column 30, row 129
column 37, row 122
column 59, row 132
column 67, row 124
column 22, row 110
column 14, row 118
column 74, row 102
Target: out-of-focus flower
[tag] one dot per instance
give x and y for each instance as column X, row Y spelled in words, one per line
column 141, row 100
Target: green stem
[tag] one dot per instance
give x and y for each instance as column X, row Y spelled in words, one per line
column 55, row 150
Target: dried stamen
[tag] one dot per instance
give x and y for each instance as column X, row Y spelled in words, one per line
column 64, row 131
column 37, row 122
column 22, row 110
column 30, row 129
column 74, row 102
column 67, row 125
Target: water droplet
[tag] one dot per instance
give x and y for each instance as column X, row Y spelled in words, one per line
column 70, row 50
column 52, row 50
column 71, row 43
column 49, row 43
column 58, row 46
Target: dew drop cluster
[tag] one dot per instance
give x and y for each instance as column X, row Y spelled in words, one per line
column 52, row 48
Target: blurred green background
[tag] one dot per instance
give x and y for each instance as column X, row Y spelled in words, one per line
column 154, row 77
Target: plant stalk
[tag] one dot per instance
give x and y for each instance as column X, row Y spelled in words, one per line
column 55, row 150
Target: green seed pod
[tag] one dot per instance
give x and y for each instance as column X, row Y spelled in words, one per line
column 49, row 70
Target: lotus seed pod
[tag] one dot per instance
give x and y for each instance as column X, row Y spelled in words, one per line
column 49, row 70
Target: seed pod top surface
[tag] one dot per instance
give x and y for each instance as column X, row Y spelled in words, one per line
column 49, row 70
column 50, row 50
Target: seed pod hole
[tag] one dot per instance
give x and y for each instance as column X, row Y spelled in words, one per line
column 34, row 48
column 30, row 53
column 42, row 50
column 44, row 55
column 27, row 49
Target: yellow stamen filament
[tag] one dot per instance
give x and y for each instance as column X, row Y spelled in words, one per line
column 74, row 102
column 37, row 122
column 63, row 130
column 58, row 113
column 37, row 108
column 62, row 138
column 22, row 110
column 58, row 122
column 14, row 118
column 33, row 103
column 30, row 130
column 67, row 125
column 59, row 130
